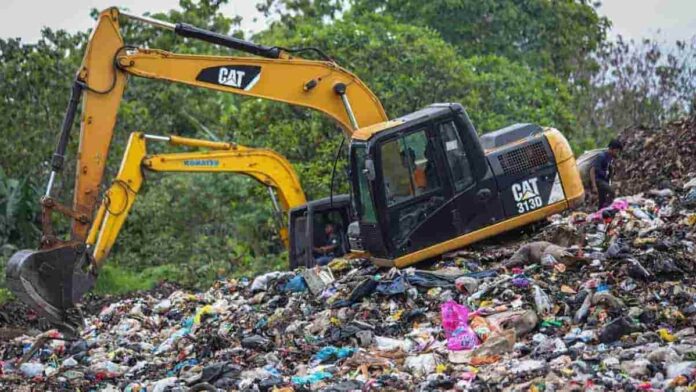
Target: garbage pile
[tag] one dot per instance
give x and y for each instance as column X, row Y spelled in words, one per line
column 600, row 301
column 657, row 159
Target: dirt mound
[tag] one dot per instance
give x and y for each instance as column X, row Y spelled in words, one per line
column 657, row 158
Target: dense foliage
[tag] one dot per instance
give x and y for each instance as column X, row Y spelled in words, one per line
column 507, row 61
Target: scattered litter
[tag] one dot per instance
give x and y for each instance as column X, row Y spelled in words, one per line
column 613, row 309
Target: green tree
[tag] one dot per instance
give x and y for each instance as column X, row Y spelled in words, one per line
column 554, row 35
column 35, row 82
column 637, row 84
column 408, row 67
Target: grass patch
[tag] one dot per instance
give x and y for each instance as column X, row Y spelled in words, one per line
column 5, row 296
column 119, row 280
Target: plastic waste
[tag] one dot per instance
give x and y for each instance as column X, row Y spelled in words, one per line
column 481, row 328
column 311, row 378
column 429, row 279
column 362, row 290
column 521, row 281
column 162, row 306
column 548, row 260
column 364, row 338
column 339, row 264
column 296, row 285
column 421, row 365
column 260, row 283
column 690, row 198
column 542, row 302
column 202, row 312
column 331, row 353
column 163, row 384
column 389, row 344
column 666, row 335
column 318, row 278
column 584, row 310
column 680, row 368
column 69, row 362
column 255, row 342
column 32, row 369
column 456, row 325
column 466, row 284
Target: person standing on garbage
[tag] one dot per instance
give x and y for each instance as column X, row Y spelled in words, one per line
column 331, row 249
column 601, row 172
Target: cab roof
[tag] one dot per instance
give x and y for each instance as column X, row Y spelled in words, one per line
column 431, row 111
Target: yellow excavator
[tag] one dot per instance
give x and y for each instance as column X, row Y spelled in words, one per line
column 265, row 166
column 422, row 184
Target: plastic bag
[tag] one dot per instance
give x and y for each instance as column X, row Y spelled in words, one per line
column 459, row 334
column 31, row 369
column 311, row 378
column 542, row 302
column 331, row 353
column 295, row 285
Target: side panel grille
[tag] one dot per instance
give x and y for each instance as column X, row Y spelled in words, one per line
column 524, row 159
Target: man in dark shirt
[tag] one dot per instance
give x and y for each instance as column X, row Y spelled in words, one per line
column 332, row 249
column 601, row 172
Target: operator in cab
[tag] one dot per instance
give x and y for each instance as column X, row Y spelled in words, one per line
column 601, row 172
column 331, row 248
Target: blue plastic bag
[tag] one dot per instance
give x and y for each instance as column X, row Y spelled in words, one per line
column 296, row 285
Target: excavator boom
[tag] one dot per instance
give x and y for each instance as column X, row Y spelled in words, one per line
column 100, row 83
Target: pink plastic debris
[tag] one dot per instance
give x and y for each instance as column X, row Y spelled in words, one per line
column 455, row 322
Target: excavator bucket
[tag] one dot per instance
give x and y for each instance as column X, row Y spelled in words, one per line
column 52, row 281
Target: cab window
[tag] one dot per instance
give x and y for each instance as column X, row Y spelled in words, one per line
column 408, row 167
column 411, row 182
column 459, row 166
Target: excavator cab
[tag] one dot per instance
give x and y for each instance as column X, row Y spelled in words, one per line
column 423, row 185
column 307, row 224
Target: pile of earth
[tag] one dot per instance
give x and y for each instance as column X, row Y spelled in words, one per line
column 657, row 158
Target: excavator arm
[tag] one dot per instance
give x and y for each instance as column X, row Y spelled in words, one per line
column 55, row 277
column 319, row 85
column 265, row 166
